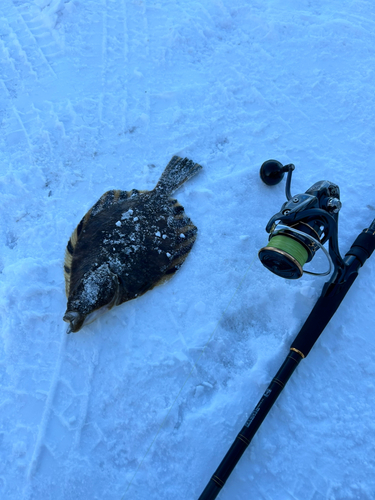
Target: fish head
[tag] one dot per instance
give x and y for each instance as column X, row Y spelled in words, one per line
column 97, row 292
column 75, row 319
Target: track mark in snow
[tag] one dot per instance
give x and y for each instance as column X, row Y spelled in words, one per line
column 16, row 66
column 85, row 398
column 64, row 426
column 138, row 101
column 113, row 99
column 34, row 39
column 124, row 106
column 23, row 125
column 17, row 132
column 47, row 410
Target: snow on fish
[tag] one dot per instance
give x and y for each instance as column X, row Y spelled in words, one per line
column 127, row 243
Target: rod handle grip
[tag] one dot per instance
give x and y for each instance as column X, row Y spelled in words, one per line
column 334, row 292
column 363, row 245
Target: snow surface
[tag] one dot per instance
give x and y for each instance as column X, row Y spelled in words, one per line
column 144, row 402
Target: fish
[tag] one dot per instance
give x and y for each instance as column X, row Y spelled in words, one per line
column 126, row 244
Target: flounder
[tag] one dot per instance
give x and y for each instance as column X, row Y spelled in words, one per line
column 127, row 243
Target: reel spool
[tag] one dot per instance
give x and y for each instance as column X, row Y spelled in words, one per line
column 303, row 225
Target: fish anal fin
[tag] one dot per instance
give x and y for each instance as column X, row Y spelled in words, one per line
column 164, row 279
column 187, row 240
column 175, row 266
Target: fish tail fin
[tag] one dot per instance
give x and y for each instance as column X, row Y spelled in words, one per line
column 176, row 173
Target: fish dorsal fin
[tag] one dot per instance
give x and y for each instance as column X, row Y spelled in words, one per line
column 176, row 173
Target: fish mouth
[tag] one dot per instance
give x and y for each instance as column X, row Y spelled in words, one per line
column 75, row 319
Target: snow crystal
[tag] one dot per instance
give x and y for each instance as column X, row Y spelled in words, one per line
column 118, row 223
column 127, row 214
column 200, row 307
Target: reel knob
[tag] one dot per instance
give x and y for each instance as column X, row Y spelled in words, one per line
column 272, row 172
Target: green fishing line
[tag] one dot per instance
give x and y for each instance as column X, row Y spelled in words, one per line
column 289, row 246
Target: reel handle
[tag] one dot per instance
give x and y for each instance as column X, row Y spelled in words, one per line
column 272, row 172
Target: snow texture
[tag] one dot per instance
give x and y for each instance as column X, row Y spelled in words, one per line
column 144, row 402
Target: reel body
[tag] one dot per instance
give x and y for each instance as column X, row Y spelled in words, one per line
column 304, row 224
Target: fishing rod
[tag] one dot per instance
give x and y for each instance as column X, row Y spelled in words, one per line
column 303, row 225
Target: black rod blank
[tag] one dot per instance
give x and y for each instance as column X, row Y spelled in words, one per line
column 251, row 426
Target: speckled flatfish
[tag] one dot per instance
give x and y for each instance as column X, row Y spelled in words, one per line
column 127, row 243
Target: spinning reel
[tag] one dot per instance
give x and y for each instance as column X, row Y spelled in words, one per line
column 304, row 224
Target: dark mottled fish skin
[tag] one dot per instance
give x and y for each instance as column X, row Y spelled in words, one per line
column 127, row 243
